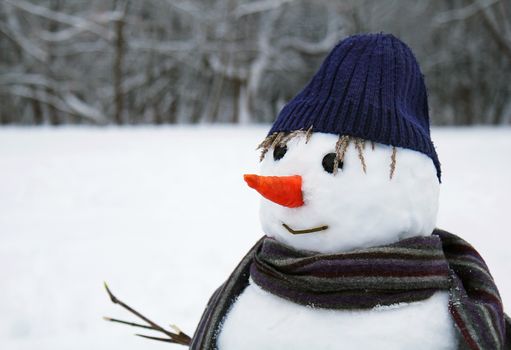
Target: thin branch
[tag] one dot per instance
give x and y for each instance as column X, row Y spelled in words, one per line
column 496, row 34
column 189, row 8
column 332, row 36
column 127, row 323
column 70, row 20
column 257, row 7
column 464, row 12
column 161, row 46
column 13, row 31
column 178, row 338
column 158, row 338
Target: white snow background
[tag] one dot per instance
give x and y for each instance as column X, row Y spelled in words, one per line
column 163, row 215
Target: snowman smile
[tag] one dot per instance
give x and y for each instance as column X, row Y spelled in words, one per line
column 301, row 232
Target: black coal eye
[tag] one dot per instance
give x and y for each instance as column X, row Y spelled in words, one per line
column 328, row 163
column 279, row 152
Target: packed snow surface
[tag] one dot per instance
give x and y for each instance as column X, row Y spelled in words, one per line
column 163, row 215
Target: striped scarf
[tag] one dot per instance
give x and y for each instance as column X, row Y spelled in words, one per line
column 407, row 271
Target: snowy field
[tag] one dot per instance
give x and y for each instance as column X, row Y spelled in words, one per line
column 163, row 215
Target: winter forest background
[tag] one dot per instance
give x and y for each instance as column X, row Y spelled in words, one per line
column 233, row 61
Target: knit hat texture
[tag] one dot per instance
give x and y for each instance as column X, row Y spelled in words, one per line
column 369, row 86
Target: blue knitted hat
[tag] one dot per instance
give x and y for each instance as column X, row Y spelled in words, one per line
column 370, row 86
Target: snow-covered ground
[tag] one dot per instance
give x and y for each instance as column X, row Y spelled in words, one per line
column 163, row 215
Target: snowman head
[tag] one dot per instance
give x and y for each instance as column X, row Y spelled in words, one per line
column 349, row 162
column 332, row 194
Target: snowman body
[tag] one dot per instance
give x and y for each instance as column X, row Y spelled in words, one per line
column 260, row 320
column 362, row 205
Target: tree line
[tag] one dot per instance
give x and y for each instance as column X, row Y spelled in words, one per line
column 234, row 61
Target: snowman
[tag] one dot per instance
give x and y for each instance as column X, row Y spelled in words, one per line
column 351, row 258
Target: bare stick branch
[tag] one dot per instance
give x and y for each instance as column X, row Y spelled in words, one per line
column 127, row 323
column 70, row 20
column 463, row 13
column 157, row 338
column 258, row 6
column 178, row 338
column 497, row 35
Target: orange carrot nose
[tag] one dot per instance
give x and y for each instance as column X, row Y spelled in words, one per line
column 283, row 190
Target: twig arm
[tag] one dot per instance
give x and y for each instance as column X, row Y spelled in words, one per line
column 178, row 338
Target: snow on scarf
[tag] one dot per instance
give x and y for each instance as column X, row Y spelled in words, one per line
column 407, row 271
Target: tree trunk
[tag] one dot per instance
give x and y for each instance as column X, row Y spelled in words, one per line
column 37, row 111
column 118, row 71
column 53, row 26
